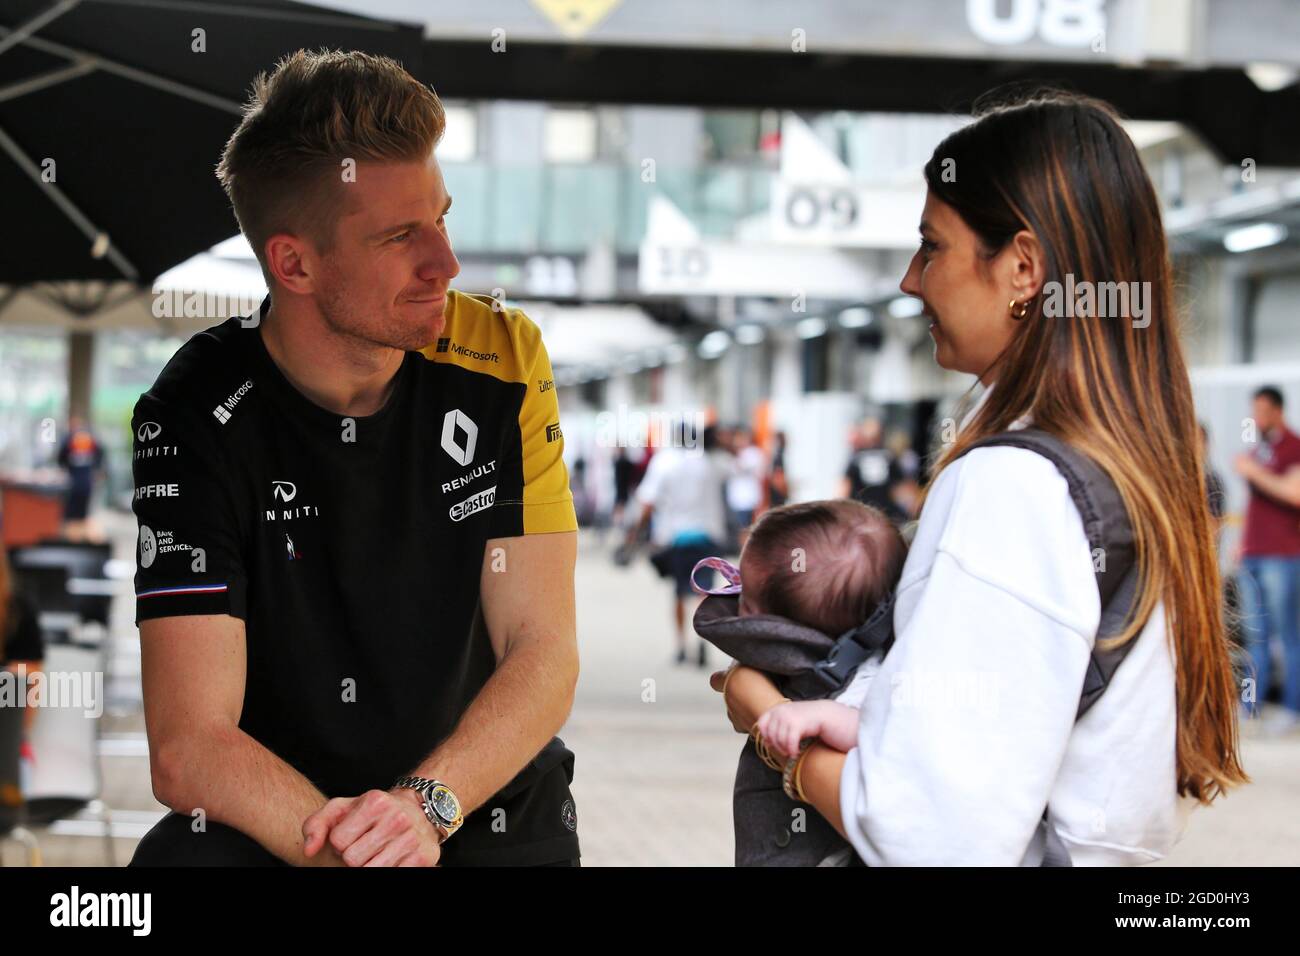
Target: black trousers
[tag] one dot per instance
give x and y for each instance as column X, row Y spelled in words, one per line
column 173, row 842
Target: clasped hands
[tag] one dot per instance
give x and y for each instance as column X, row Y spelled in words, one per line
column 377, row 828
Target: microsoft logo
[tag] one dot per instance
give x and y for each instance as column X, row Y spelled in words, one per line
column 443, row 343
column 222, row 411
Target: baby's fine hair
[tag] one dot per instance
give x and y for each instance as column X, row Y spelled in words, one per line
column 849, row 559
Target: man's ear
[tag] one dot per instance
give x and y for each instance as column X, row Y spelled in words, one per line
column 1027, row 265
column 287, row 260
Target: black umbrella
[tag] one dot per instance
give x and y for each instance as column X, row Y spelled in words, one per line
column 113, row 114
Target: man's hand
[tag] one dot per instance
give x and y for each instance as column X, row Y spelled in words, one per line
column 1246, row 466
column 378, row 828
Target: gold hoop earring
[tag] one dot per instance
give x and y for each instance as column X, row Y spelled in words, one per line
column 1024, row 310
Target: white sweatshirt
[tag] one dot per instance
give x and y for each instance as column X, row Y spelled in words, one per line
column 967, row 730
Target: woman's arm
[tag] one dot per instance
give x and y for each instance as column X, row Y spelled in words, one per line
column 750, row 693
column 819, row 778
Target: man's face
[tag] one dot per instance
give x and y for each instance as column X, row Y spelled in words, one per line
column 1267, row 415
column 385, row 280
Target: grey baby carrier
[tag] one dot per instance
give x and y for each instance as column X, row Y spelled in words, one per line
column 773, row 830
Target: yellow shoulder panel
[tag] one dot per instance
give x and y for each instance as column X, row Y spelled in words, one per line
column 483, row 335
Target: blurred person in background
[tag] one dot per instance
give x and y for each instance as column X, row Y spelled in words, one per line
column 872, row 472
column 906, row 492
column 1215, row 494
column 745, row 486
column 22, row 648
column 682, row 499
column 625, row 479
column 778, row 486
column 82, row 457
column 1270, row 556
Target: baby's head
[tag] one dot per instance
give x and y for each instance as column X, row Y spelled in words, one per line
column 823, row 564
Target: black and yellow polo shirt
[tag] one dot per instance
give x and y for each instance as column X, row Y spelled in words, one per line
column 352, row 548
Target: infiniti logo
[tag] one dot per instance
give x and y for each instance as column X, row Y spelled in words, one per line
column 148, row 431
column 284, row 490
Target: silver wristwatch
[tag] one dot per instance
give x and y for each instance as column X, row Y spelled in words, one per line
column 440, row 804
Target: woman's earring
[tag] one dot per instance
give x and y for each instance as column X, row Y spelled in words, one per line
column 1024, row 310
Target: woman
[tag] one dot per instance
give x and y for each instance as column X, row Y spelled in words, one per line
column 969, row 731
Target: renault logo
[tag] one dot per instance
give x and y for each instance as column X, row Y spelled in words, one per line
column 451, row 421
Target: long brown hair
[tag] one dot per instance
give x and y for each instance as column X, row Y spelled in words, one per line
column 1114, row 386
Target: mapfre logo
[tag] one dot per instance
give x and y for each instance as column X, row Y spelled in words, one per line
column 453, row 420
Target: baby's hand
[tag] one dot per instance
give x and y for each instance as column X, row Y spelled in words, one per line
column 786, row 725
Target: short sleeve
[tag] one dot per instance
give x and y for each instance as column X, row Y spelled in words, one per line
column 647, row 492
column 546, row 501
column 1289, row 456
column 188, row 554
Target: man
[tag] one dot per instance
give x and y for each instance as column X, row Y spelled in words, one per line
column 745, row 486
column 357, row 541
column 82, row 457
column 872, row 472
column 684, row 491
column 1270, row 553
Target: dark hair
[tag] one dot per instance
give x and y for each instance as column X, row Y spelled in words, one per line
column 1272, row 393
column 860, row 546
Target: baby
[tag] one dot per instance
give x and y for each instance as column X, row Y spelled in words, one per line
column 825, row 565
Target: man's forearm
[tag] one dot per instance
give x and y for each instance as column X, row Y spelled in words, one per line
column 520, row 708
column 1282, row 488
column 237, row 781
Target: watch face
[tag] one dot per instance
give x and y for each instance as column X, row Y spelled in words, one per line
column 444, row 803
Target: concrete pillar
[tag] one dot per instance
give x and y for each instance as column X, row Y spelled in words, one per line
column 81, row 364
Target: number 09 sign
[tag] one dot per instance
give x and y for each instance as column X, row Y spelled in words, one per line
column 845, row 214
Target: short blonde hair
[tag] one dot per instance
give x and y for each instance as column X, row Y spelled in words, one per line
column 313, row 111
